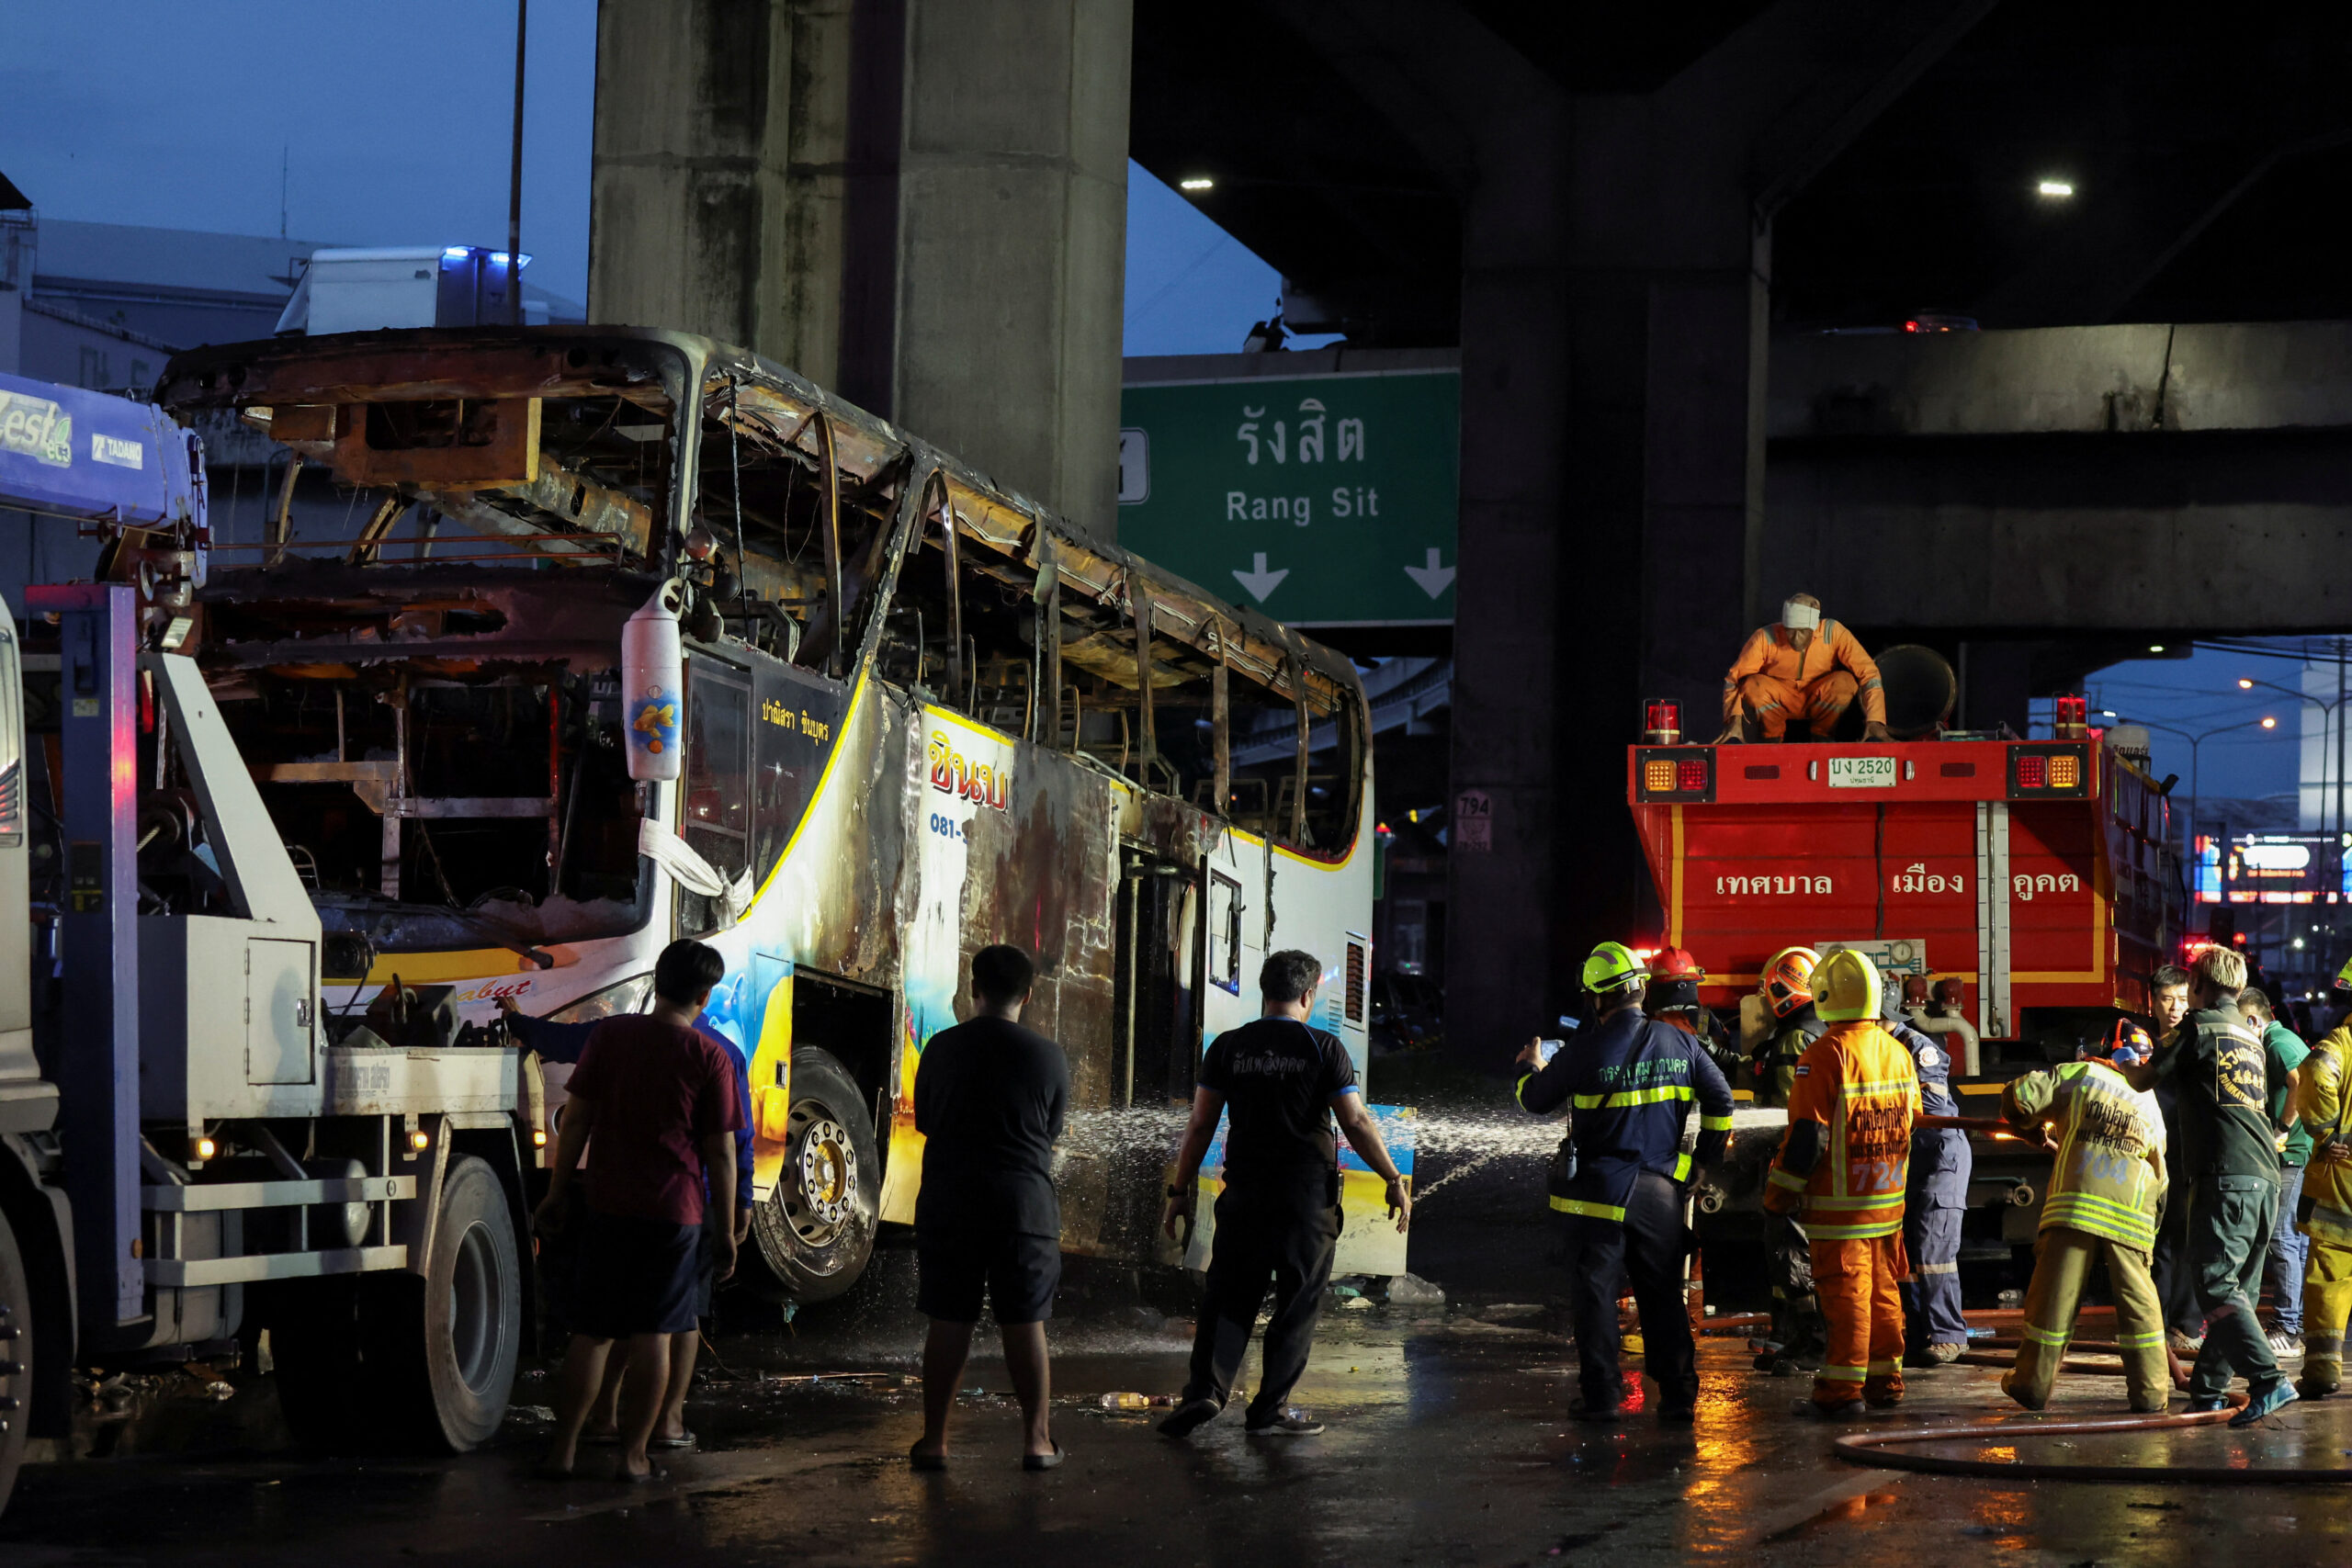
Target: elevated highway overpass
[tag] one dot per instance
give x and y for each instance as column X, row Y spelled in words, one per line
column 2172, row 480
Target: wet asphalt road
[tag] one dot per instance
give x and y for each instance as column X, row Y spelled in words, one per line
column 1448, row 1444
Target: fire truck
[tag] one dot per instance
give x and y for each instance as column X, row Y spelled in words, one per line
column 2037, row 876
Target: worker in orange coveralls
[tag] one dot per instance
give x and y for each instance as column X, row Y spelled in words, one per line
column 1844, row 1163
column 1776, row 677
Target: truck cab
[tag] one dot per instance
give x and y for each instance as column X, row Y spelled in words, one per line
column 2035, row 880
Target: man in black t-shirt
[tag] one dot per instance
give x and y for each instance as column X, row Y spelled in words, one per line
column 1282, row 1084
column 989, row 1099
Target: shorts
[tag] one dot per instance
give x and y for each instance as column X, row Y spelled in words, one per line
column 635, row 1276
column 1018, row 1272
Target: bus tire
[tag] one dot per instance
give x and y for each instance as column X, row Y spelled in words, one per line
column 815, row 1230
column 15, row 1358
column 447, row 1343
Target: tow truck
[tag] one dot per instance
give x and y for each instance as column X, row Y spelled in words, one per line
column 193, row 1153
column 2033, row 881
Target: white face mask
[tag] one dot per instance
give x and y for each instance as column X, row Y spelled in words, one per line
column 1799, row 617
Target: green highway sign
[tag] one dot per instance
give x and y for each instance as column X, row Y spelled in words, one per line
column 1323, row 500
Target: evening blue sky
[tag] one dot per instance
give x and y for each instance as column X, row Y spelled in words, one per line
column 392, row 119
column 391, row 123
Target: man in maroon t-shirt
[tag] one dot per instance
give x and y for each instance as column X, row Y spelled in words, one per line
column 660, row 1100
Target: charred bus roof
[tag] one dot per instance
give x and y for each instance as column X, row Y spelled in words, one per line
column 566, row 445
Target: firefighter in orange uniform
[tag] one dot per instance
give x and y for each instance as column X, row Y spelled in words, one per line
column 1843, row 1165
column 1777, row 678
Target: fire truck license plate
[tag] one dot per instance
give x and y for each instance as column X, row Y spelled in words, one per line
column 1862, row 772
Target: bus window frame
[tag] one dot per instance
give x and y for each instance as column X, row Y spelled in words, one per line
column 722, row 671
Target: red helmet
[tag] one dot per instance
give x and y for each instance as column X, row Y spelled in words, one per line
column 1787, row 981
column 1676, row 964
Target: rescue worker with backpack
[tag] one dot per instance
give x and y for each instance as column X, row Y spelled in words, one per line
column 1843, row 1165
column 1935, row 1334
column 1786, row 986
column 2106, row 1186
column 1673, row 997
column 1632, row 1082
column 2324, row 1214
column 1797, row 1335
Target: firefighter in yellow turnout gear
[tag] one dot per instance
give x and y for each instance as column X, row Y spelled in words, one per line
column 2105, row 1188
column 1844, row 1164
column 2324, row 1102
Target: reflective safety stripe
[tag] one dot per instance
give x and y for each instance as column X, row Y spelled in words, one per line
column 1853, row 1233
column 1715, row 1123
column 1591, row 1211
column 2148, row 1341
column 1839, row 1374
column 2040, row 1335
column 1883, row 1368
column 1518, row 1092
column 1682, row 1168
column 1782, row 1178
column 1626, row 1097
column 1936, row 1267
column 1867, row 1201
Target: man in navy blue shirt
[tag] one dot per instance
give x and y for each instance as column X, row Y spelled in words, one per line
column 562, row 1044
column 1632, row 1082
column 1934, row 1332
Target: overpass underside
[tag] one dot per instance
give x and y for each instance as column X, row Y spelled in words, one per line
column 2143, row 480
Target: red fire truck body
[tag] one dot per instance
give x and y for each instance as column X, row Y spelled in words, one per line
column 2037, row 873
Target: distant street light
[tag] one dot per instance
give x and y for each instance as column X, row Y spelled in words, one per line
column 2188, row 834
column 1198, row 182
column 2057, row 190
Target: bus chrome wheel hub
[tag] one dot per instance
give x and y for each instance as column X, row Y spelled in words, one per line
column 828, row 1178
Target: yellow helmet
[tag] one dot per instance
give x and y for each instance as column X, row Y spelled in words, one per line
column 1845, row 987
column 1612, row 964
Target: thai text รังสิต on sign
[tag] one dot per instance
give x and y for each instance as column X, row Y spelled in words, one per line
column 1323, row 500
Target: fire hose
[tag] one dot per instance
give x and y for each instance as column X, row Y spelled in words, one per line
column 1882, row 1448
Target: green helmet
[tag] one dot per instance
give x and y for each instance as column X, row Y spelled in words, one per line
column 1612, row 966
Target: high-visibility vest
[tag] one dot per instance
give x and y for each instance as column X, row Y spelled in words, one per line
column 2325, row 1103
column 1858, row 1084
column 2105, row 1179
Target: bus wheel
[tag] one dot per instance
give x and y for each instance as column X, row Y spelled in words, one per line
column 15, row 1358
column 817, row 1228
column 449, row 1340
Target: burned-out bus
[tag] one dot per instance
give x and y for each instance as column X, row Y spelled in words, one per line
column 922, row 715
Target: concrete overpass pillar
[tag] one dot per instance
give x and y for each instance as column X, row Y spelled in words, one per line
column 1616, row 280
column 919, row 203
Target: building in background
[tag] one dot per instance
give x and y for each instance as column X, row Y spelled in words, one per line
column 104, row 306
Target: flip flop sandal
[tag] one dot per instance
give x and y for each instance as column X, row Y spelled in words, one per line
column 918, row 1460
column 684, row 1440
column 1045, row 1462
column 649, row 1478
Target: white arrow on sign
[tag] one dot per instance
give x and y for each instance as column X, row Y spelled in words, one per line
column 1434, row 579
column 1261, row 582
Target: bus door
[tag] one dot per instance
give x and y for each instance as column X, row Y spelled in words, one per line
column 1156, row 1006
